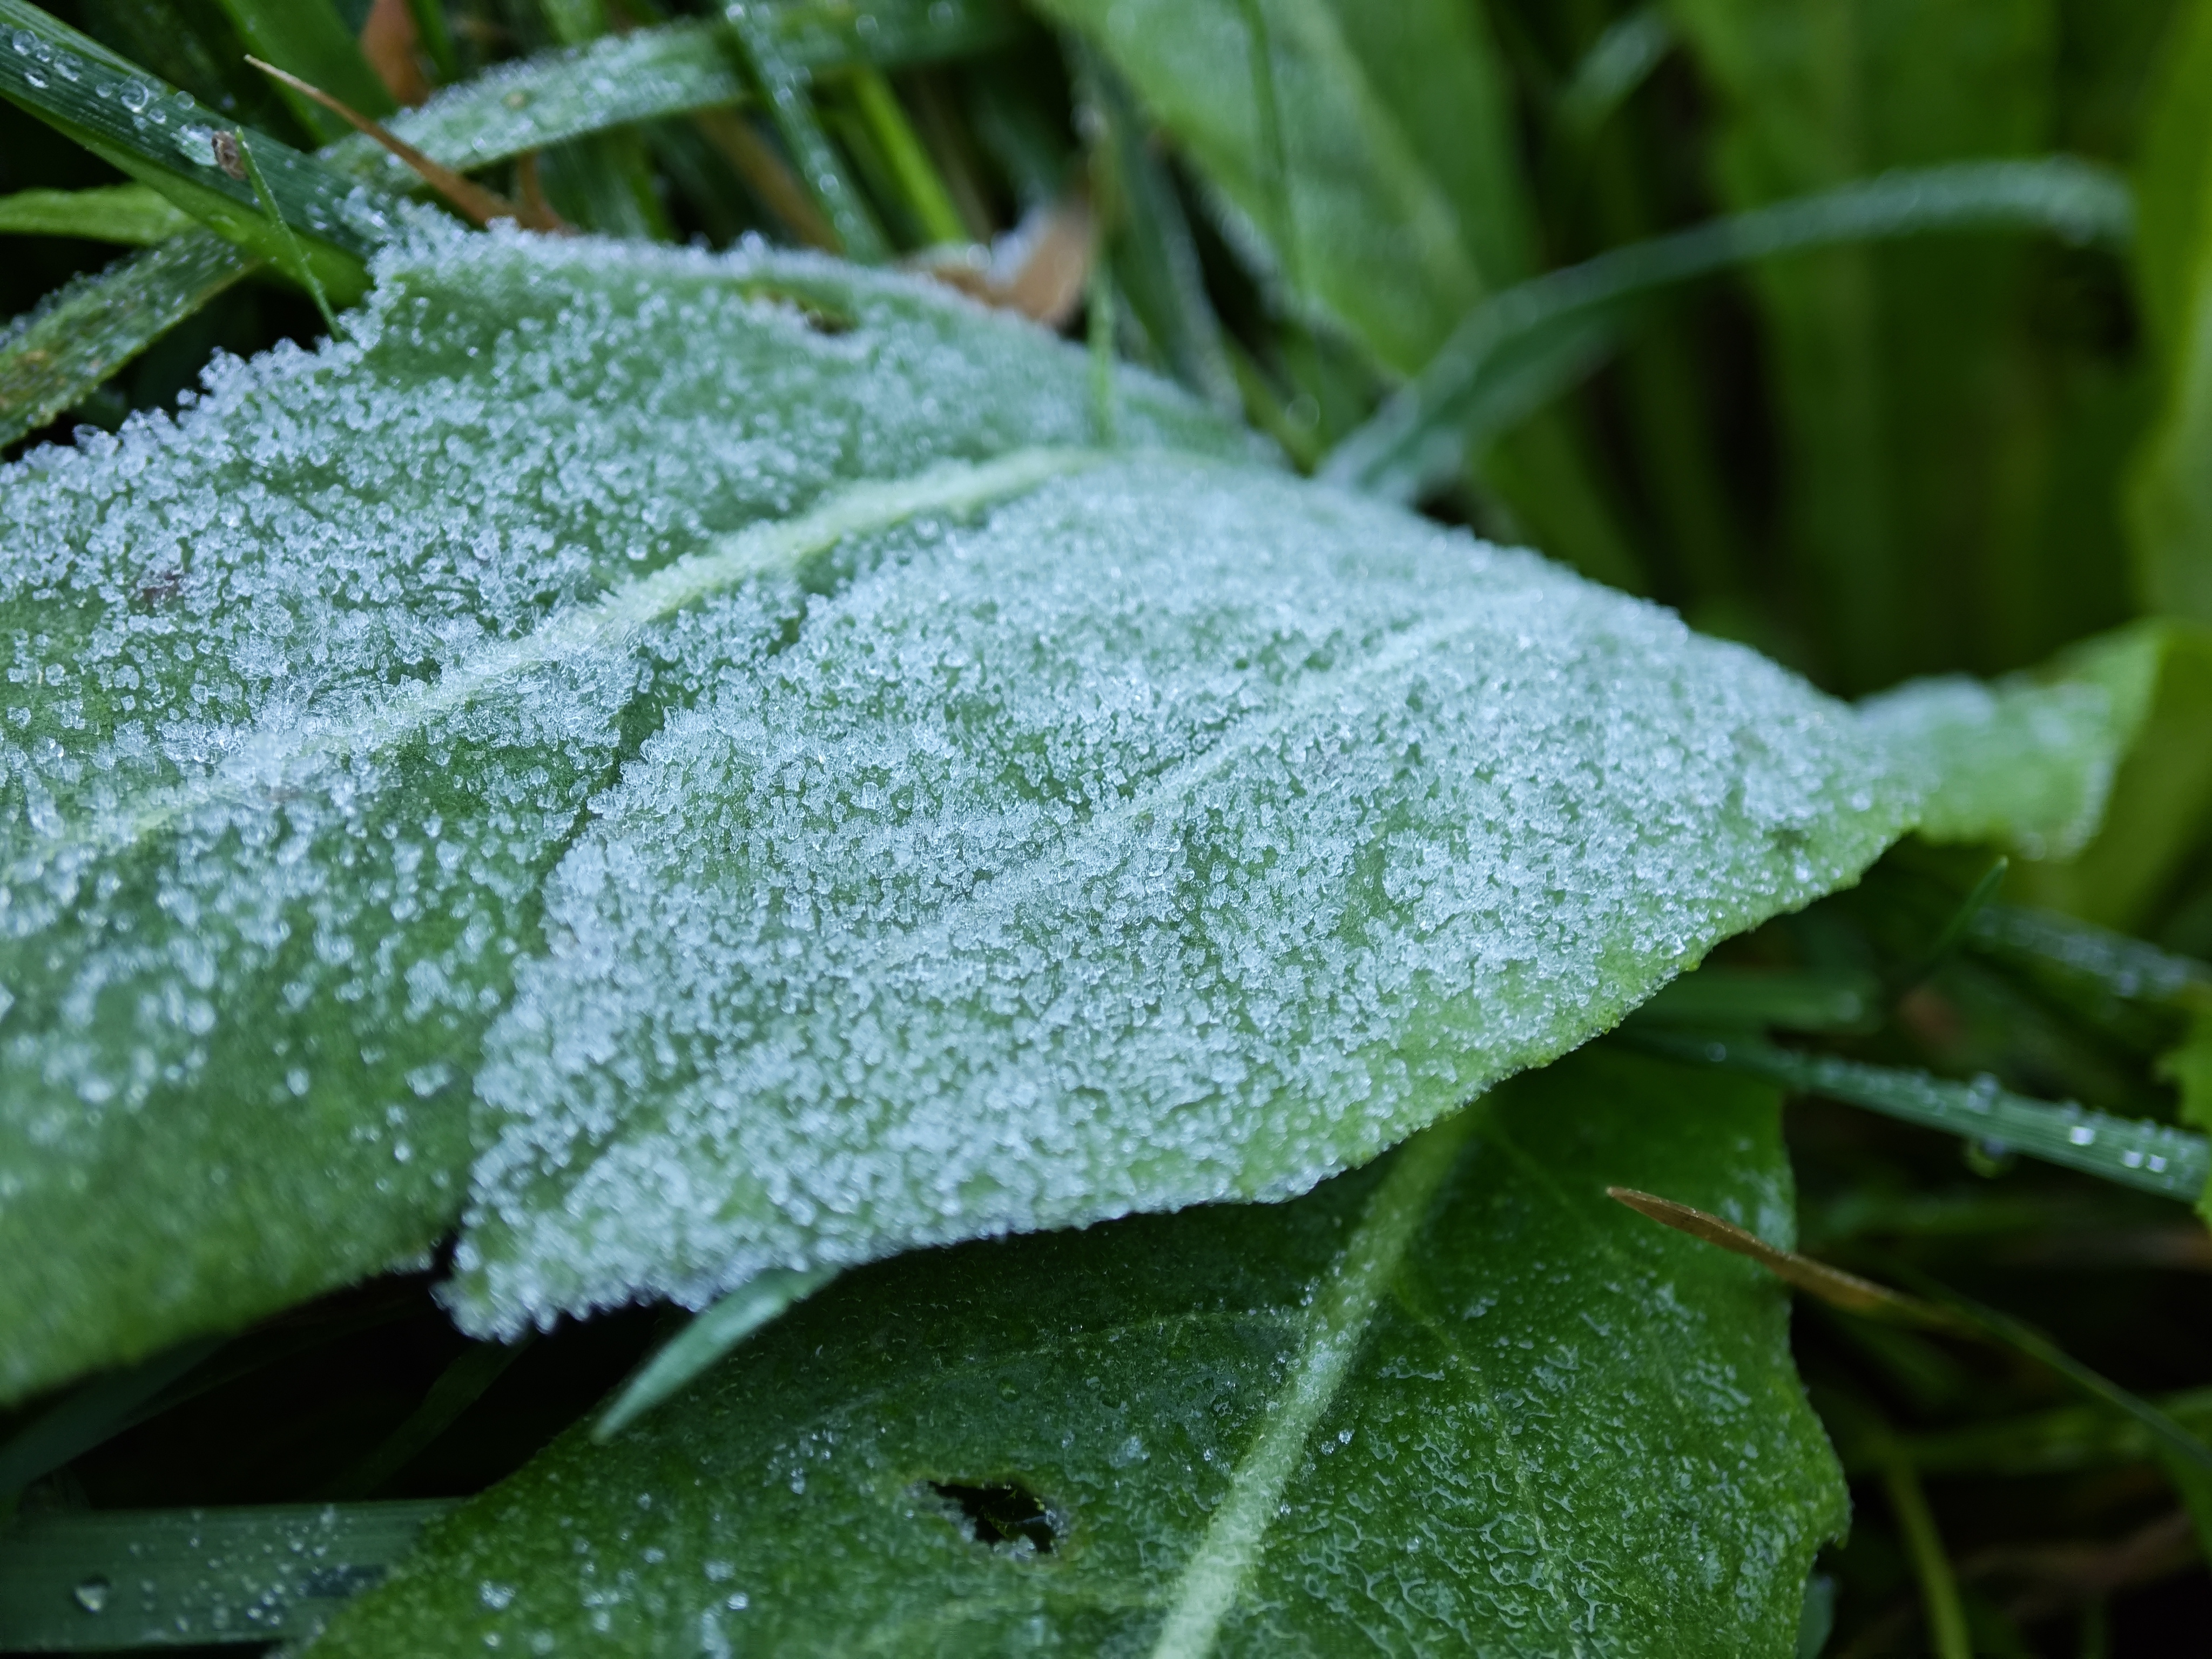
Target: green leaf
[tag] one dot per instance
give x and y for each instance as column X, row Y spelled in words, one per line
column 591, row 654
column 2026, row 764
column 53, row 356
column 2169, row 507
column 108, row 213
column 1364, row 158
column 1419, row 1410
column 167, row 140
column 291, row 739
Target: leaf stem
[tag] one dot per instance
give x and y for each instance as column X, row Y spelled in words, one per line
column 1924, row 1547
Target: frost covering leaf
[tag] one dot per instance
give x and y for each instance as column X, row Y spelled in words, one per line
column 2026, row 762
column 1458, row 1402
column 305, row 693
column 1180, row 832
column 876, row 872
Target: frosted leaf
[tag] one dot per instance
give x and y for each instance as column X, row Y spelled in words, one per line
column 307, row 690
column 1180, row 832
column 2023, row 763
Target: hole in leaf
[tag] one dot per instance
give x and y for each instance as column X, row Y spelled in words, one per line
column 1006, row 1516
column 818, row 314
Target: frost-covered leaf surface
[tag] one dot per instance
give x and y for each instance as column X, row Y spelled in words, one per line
column 2022, row 764
column 867, row 817
column 305, row 695
column 1458, row 1402
column 1178, row 832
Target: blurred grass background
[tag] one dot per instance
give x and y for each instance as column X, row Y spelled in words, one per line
column 1965, row 450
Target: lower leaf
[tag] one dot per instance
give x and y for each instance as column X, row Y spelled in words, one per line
column 1457, row 1400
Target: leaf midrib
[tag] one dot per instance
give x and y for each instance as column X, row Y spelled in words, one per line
column 1336, row 1325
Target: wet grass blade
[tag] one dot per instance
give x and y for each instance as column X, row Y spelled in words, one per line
column 168, row 140
column 296, row 264
column 2058, row 1441
column 91, row 1581
column 1418, row 440
column 2152, row 1157
column 476, row 203
column 1619, row 61
column 786, row 88
column 131, row 214
column 2170, row 1439
column 706, row 1340
column 673, row 69
column 81, row 335
column 2101, row 960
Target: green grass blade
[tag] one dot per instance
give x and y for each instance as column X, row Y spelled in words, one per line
column 58, row 353
column 2056, row 1441
column 602, row 181
column 927, row 196
column 706, row 1340
column 2152, row 1157
column 81, row 334
column 92, row 1580
column 1417, row 441
column 89, row 1414
column 1154, row 257
column 459, row 1387
column 168, row 140
column 296, row 262
column 131, row 214
column 309, row 38
column 2170, row 1439
column 436, row 37
column 786, row 86
column 1620, row 60
column 1931, row 1566
column 2100, row 959
column 2169, row 506
column 1721, row 999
